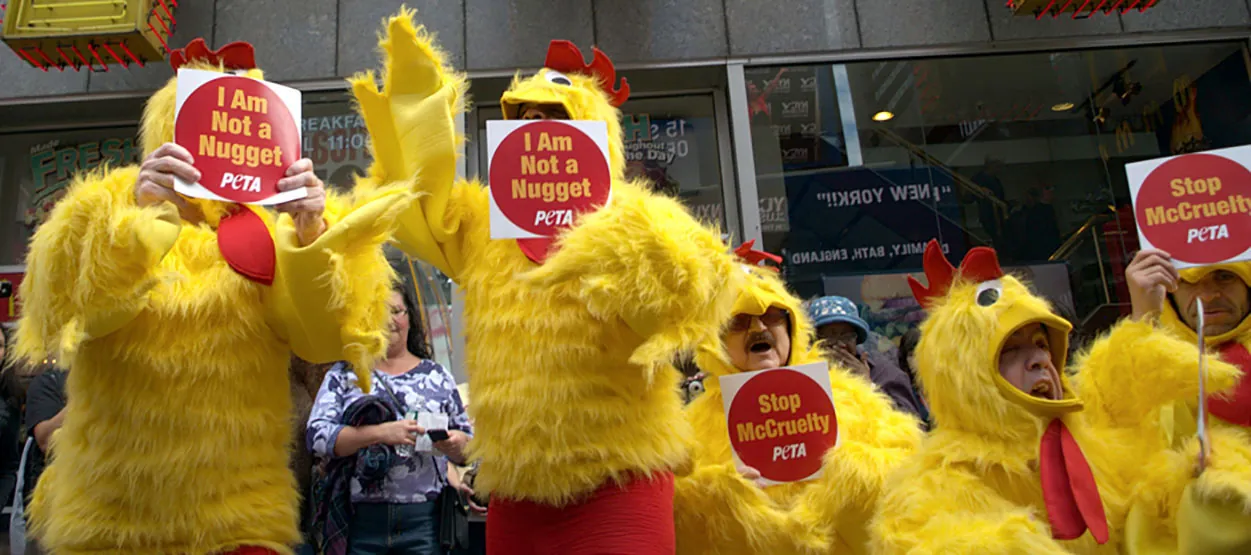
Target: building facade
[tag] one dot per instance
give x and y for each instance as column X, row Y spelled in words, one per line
column 841, row 134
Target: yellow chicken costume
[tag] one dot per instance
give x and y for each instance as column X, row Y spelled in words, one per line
column 577, row 418
column 175, row 438
column 718, row 511
column 1005, row 472
column 1212, row 516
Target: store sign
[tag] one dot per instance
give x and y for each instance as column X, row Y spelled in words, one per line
column 542, row 174
column 336, row 140
column 53, row 165
column 242, row 133
column 781, row 421
column 671, row 153
column 863, row 220
column 1195, row 206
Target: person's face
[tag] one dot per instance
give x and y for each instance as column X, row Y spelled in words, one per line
column 839, row 335
column 543, row 111
column 1025, row 361
column 1224, row 302
column 759, row 342
column 398, row 326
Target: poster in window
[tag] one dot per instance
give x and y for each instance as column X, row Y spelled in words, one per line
column 336, row 140
column 785, row 100
column 862, row 220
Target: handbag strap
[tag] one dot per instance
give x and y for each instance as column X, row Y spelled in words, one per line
column 399, row 405
column 441, row 476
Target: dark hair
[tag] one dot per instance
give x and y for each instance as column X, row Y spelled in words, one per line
column 416, row 340
column 908, row 344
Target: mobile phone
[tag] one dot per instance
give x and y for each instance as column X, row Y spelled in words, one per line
column 437, row 435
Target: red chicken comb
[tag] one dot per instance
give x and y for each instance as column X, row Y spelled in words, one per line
column 564, row 56
column 236, row 55
column 755, row 257
column 980, row 264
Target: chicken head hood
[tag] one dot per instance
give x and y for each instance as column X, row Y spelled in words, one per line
column 157, row 128
column 972, row 311
column 1171, row 320
column 586, row 91
column 761, row 290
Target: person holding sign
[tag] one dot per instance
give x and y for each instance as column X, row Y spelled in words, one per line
column 1015, row 464
column 1162, row 294
column 178, row 316
column 727, row 506
column 579, row 429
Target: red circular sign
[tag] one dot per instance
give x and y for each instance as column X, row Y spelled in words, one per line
column 781, row 423
column 545, row 173
column 1197, row 207
column 241, row 135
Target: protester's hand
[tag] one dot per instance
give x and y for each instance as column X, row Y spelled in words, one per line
column 851, row 360
column 1150, row 277
column 751, row 475
column 156, row 179
column 307, row 212
column 468, row 493
column 399, row 432
column 454, row 445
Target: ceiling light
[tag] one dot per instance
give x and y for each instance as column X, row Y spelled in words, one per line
column 883, row 116
column 1062, row 107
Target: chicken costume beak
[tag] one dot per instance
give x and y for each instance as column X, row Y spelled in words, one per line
column 1014, row 318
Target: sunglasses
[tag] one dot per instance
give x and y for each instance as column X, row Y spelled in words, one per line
column 772, row 317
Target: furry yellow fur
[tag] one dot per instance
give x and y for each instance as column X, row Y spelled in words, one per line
column 718, row 511
column 974, row 485
column 1161, row 430
column 568, row 361
column 175, row 438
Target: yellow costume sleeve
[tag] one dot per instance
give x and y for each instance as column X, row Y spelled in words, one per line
column 716, row 510
column 949, row 510
column 1175, row 513
column 413, row 138
column 648, row 262
column 876, row 440
column 91, row 264
column 328, row 300
column 1215, row 514
column 1137, row 368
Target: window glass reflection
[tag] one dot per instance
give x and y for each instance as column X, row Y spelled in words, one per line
column 859, row 165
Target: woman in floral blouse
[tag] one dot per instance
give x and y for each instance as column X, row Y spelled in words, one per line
column 393, row 510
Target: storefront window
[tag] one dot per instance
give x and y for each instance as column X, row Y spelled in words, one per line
column 670, row 141
column 859, row 165
column 36, row 169
column 335, row 139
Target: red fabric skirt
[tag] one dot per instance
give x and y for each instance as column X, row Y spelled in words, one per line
column 633, row 519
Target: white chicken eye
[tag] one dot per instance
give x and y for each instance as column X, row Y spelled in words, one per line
column 989, row 292
column 558, row 78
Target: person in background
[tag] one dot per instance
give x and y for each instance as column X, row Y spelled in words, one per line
column 306, row 378
column 45, row 413
column 10, row 425
column 990, row 214
column 839, row 326
column 394, row 513
column 907, row 346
